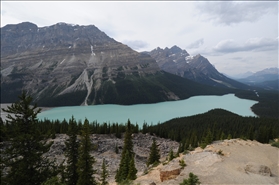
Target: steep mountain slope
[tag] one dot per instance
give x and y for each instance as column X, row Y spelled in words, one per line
column 197, row 68
column 66, row 64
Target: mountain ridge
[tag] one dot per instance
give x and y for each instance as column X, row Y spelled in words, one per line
column 66, row 64
column 197, row 68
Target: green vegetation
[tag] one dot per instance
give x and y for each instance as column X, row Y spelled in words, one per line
column 85, row 161
column 71, row 153
column 24, row 156
column 127, row 169
column 27, row 138
column 192, row 180
column 268, row 102
column 182, row 163
column 275, row 143
column 130, row 89
column 104, row 174
column 154, row 155
column 215, row 125
column 171, row 155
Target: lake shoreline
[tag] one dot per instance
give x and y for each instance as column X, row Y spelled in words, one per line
column 152, row 113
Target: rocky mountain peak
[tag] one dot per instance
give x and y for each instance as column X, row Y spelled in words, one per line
column 21, row 26
column 175, row 49
column 65, row 58
column 197, row 68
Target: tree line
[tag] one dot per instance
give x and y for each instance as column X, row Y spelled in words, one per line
column 215, row 125
column 24, row 141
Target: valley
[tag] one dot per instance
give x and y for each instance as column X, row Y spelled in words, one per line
column 139, row 93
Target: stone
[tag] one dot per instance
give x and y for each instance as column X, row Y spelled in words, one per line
column 170, row 170
column 257, row 169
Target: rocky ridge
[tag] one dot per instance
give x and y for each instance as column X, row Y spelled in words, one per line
column 64, row 58
column 104, row 148
column 179, row 62
column 232, row 161
column 69, row 65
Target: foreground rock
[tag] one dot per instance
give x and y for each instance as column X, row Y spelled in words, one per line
column 242, row 162
column 104, row 147
column 170, row 171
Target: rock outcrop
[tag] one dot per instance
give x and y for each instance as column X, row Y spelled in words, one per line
column 257, row 169
column 170, row 170
column 243, row 162
column 104, row 148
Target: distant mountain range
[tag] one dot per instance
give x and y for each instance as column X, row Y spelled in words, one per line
column 197, row 68
column 267, row 79
column 66, row 64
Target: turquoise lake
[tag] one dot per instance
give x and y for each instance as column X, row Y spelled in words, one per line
column 151, row 113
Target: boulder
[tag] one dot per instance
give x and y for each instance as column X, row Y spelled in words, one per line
column 170, row 171
column 257, row 169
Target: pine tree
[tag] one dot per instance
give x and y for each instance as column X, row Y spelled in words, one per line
column 127, row 169
column 171, row 155
column 85, row 160
column 104, row 174
column 154, row 156
column 24, row 156
column 72, row 153
column 192, row 180
column 132, row 174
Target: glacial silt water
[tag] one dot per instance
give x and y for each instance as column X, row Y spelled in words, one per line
column 151, row 113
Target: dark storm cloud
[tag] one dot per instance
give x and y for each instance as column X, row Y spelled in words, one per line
column 229, row 12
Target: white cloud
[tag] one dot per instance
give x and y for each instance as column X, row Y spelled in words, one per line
column 196, row 44
column 252, row 44
column 145, row 25
column 135, row 44
column 231, row 12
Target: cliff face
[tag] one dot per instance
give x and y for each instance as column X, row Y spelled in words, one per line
column 67, row 65
column 61, row 59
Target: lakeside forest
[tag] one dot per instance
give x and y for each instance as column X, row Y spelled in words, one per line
column 26, row 137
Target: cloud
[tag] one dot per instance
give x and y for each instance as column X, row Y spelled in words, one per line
column 196, row 44
column 135, row 44
column 229, row 12
column 252, row 44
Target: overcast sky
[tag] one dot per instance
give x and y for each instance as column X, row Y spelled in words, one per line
column 235, row 37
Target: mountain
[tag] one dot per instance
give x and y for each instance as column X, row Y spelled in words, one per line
column 241, row 75
column 66, row 64
column 177, row 61
column 267, row 79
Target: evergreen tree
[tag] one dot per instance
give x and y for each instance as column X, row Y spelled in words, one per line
column 85, row 160
column 104, row 174
column 24, row 156
column 72, row 153
column 53, row 181
column 3, row 131
column 154, row 156
column 127, row 169
column 192, row 180
column 171, row 155
column 222, row 137
column 132, row 174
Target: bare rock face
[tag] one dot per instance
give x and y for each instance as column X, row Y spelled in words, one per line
column 257, row 169
column 170, row 171
column 177, row 61
column 62, row 59
column 104, row 146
